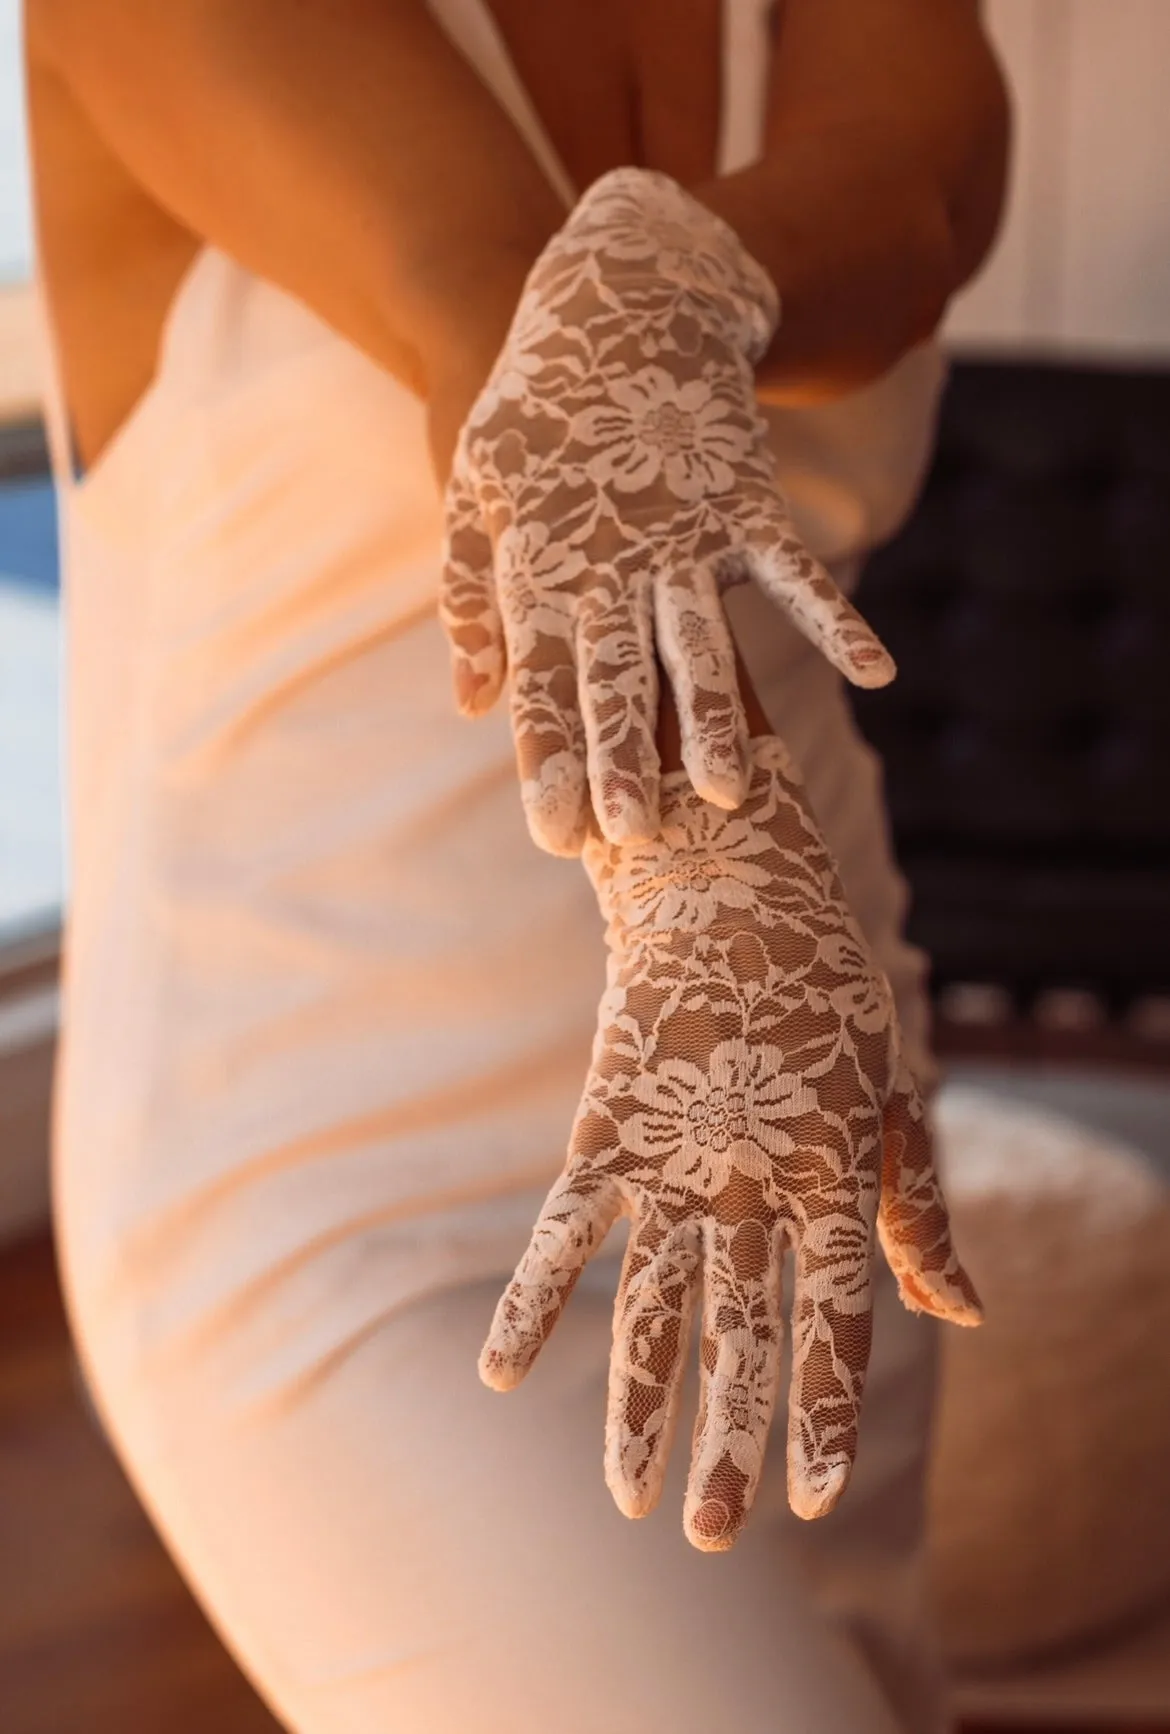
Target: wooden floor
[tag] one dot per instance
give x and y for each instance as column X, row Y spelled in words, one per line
column 97, row 1633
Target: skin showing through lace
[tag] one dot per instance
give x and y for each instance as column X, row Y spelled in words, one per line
column 746, row 1096
column 612, row 479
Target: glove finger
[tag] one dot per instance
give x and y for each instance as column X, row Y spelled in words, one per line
column 618, row 683
column 468, row 610
column 832, row 1327
column 913, row 1223
column 576, row 1217
column 651, row 1330
column 739, row 1379
column 796, row 581
column 696, row 647
column 547, row 728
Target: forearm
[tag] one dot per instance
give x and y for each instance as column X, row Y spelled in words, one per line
column 880, row 186
column 340, row 148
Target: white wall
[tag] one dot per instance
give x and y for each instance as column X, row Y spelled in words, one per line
column 1083, row 265
column 15, row 218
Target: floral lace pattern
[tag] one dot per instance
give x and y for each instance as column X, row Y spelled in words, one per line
column 746, row 1095
column 611, row 480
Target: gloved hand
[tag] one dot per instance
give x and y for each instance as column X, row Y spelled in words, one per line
column 746, row 1094
column 611, row 479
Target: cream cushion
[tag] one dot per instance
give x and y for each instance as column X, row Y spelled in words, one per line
column 1050, row 1495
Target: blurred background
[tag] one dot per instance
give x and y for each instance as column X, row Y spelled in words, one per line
column 1027, row 751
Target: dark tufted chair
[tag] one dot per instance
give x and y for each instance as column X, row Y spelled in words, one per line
column 1027, row 739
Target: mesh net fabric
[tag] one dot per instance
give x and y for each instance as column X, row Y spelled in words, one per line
column 746, row 1095
column 613, row 476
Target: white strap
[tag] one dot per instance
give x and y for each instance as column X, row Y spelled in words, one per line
column 58, row 431
column 747, row 53
column 473, row 30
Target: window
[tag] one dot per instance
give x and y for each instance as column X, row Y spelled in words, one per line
column 30, row 806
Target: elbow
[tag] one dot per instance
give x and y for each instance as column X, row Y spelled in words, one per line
column 846, row 326
column 979, row 197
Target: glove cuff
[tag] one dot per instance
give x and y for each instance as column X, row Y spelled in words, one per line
column 640, row 223
column 708, row 864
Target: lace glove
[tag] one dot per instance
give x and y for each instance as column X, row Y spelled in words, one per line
column 746, row 1094
column 613, row 476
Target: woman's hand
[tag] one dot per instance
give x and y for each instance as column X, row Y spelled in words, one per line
column 746, row 1095
column 612, row 478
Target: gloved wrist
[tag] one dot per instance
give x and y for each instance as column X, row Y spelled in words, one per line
column 707, row 863
column 643, row 228
column 612, row 478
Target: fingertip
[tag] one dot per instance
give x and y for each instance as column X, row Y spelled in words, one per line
column 727, row 792
column 721, row 770
column 635, row 1482
column 711, row 1526
column 633, row 1502
column 814, row 1489
column 953, row 1301
column 624, row 820
column 564, row 848
column 869, row 667
column 475, row 693
column 498, row 1371
column 964, row 1307
column 557, row 828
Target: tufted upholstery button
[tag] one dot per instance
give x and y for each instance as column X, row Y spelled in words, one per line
column 1079, row 733
column 960, row 745
column 1137, row 525
column 1117, row 758
column 1129, row 633
column 1091, row 605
